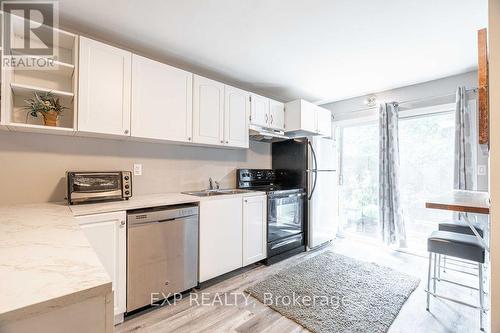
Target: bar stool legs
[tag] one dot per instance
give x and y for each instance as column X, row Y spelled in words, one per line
column 481, row 297
column 433, row 275
column 429, row 281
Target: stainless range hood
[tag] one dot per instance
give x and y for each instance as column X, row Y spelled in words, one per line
column 262, row 134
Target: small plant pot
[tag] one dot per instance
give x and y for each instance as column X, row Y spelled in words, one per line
column 50, row 118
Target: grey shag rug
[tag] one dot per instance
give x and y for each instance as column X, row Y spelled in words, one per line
column 335, row 293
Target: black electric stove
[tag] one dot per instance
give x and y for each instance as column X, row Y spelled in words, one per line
column 286, row 212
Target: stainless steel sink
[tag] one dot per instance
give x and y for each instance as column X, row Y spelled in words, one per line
column 209, row 193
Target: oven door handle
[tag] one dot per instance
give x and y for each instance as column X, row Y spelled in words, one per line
column 280, row 196
column 285, row 242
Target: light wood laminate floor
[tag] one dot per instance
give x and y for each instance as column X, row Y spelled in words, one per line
column 252, row 316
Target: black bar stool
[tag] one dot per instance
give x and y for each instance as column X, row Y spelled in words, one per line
column 461, row 228
column 456, row 245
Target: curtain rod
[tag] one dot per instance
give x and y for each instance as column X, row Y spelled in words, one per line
column 414, row 100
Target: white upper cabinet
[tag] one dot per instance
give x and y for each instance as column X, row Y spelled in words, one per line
column 162, row 101
column 267, row 113
column 276, row 115
column 324, row 120
column 303, row 118
column 104, row 88
column 236, row 114
column 254, row 229
column 208, row 111
column 259, row 111
column 220, row 114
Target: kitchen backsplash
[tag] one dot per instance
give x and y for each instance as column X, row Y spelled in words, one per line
column 33, row 166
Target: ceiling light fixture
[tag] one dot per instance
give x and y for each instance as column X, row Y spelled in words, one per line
column 371, row 101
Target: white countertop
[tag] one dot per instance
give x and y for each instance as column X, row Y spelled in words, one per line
column 46, row 260
column 149, row 200
column 140, row 201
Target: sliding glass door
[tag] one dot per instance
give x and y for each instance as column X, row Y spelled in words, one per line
column 358, row 197
column 427, row 156
column 426, row 145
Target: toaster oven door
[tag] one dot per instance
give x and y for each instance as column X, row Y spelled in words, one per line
column 97, row 186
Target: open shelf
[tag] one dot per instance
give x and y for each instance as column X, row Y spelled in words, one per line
column 31, row 74
column 22, row 127
column 27, row 90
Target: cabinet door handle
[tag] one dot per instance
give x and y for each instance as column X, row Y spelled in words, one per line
column 221, row 141
column 126, row 131
column 271, row 119
column 266, row 118
column 227, row 141
column 189, row 139
column 122, row 224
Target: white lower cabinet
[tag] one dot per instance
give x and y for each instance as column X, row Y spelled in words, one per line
column 233, row 234
column 254, row 229
column 107, row 233
column 220, row 236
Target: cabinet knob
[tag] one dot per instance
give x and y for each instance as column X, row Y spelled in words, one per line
column 267, row 117
column 246, row 201
column 122, row 224
column 227, row 141
column 126, row 131
column 221, row 141
column 189, row 139
column 271, row 119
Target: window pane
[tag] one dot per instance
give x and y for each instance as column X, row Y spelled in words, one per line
column 359, row 189
column 427, row 152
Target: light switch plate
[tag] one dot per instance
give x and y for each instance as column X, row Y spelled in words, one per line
column 481, row 170
column 137, row 169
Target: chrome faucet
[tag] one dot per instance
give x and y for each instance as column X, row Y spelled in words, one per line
column 211, row 183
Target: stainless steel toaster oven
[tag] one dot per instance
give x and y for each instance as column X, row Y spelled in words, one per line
column 98, row 186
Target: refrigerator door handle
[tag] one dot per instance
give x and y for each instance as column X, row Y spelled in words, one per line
column 314, row 174
column 314, row 170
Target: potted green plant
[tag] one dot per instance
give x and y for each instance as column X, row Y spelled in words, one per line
column 45, row 105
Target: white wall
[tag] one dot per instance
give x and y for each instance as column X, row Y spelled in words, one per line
column 494, row 88
column 33, row 166
column 443, row 88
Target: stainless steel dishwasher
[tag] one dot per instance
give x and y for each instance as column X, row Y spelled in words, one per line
column 162, row 253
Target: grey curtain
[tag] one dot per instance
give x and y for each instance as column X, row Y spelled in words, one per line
column 464, row 168
column 464, row 175
column 392, row 223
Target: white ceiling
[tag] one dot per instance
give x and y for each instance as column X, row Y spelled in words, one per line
column 320, row 50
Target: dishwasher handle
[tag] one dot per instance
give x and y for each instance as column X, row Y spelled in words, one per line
column 140, row 223
column 168, row 220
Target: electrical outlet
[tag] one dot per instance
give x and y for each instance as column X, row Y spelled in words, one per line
column 481, row 170
column 137, row 169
